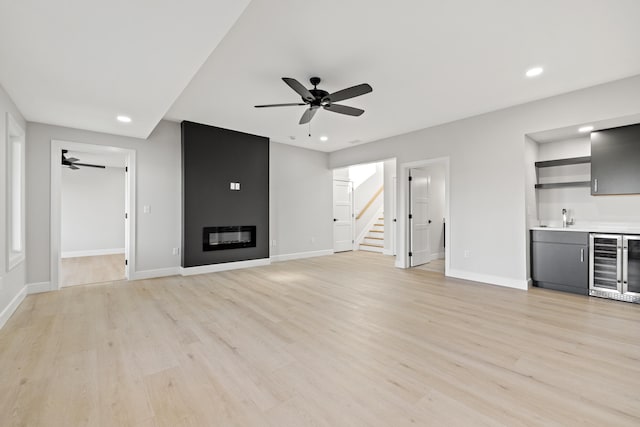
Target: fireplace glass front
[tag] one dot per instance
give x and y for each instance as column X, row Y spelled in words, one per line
column 228, row 237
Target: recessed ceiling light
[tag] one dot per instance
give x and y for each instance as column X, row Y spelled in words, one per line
column 124, row 119
column 533, row 72
column 324, row 138
column 585, row 129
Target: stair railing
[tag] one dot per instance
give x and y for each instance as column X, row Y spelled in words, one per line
column 370, row 202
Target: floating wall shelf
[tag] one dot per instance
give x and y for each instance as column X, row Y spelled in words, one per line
column 563, row 162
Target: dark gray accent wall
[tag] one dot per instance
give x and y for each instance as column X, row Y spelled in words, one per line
column 212, row 158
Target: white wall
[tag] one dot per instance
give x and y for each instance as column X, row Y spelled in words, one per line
column 487, row 163
column 581, row 205
column 92, row 210
column 301, row 202
column 158, row 186
column 12, row 283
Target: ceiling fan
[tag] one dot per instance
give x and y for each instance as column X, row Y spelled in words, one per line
column 72, row 162
column 316, row 98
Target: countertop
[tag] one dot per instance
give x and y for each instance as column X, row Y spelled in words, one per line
column 619, row 229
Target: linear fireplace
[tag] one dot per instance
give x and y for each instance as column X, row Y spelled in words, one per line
column 228, row 237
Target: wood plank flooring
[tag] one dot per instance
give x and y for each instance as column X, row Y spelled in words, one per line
column 91, row 269
column 342, row 340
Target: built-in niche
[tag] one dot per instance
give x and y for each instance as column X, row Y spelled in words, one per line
column 225, row 195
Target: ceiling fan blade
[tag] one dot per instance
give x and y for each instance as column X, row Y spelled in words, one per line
column 350, row 92
column 72, row 160
column 281, row 105
column 73, row 167
column 297, row 86
column 308, row 115
column 88, row 165
column 343, row 109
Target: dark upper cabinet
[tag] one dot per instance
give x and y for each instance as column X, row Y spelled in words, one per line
column 615, row 161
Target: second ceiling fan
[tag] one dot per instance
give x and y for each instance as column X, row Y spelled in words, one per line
column 317, row 98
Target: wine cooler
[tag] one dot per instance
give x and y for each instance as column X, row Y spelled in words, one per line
column 615, row 266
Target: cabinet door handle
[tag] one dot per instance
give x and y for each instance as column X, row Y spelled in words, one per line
column 582, row 255
column 595, row 185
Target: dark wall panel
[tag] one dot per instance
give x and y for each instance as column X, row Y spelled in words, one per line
column 212, row 158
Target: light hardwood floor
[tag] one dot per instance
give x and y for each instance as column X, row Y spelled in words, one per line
column 437, row 265
column 91, row 269
column 342, row 340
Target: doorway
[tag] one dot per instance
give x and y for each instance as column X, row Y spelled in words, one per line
column 424, row 215
column 342, row 215
column 92, row 213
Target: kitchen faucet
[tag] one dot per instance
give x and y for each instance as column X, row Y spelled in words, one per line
column 565, row 223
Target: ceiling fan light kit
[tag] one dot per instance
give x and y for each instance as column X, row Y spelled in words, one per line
column 317, row 98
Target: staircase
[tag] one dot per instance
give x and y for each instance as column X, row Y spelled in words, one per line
column 374, row 240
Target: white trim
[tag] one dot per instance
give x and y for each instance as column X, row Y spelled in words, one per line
column 36, row 288
column 13, row 131
column 214, row 268
column 56, row 215
column 387, row 252
column 300, row 255
column 92, row 252
column 12, row 306
column 160, row 272
column 489, row 279
column 529, row 283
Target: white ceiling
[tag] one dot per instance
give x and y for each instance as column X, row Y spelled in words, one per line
column 79, row 63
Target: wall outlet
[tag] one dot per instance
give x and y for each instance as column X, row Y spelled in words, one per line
column 176, row 251
column 146, row 209
column 273, row 243
column 313, row 240
column 467, row 253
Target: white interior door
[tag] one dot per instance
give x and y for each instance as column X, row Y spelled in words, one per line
column 342, row 216
column 419, row 217
column 127, row 209
column 394, row 221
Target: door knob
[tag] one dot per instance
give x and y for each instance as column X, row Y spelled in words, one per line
column 429, row 221
column 335, row 219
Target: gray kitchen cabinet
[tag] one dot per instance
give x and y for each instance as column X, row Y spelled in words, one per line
column 560, row 260
column 615, row 161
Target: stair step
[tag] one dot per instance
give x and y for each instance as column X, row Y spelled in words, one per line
column 374, row 238
column 376, row 231
column 379, row 225
column 381, row 218
column 373, row 245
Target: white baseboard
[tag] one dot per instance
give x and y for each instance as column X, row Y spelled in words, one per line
column 36, row 288
column 12, row 306
column 388, row 252
column 529, row 283
column 486, row 278
column 300, row 255
column 214, row 268
column 152, row 274
column 92, row 252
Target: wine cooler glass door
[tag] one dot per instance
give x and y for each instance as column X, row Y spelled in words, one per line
column 606, row 262
column 631, row 261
